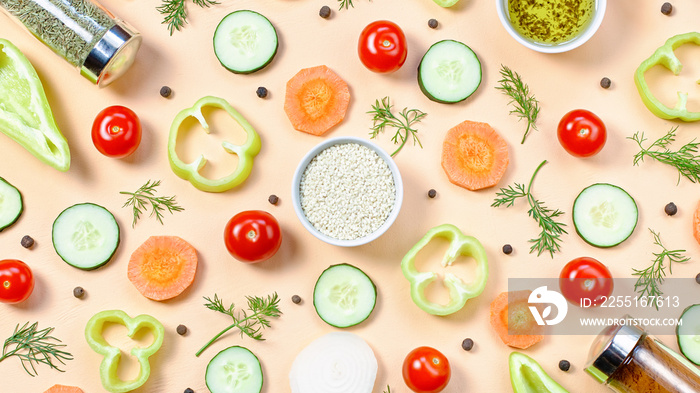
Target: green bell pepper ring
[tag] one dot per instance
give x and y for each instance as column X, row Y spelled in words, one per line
column 527, row 376
column 25, row 114
column 112, row 355
column 459, row 291
column 666, row 57
column 191, row 171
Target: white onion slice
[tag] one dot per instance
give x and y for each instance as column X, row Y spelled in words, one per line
column 339, row 362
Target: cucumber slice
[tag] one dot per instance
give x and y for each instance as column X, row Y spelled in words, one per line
column 604, row 215
column 344, row 296
column 235, row 369
column 86, row 236
column 449, row 72
column 688, row 333
column 245, row 42
column 11, row 206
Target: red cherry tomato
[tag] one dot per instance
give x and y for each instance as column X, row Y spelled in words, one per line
column 252, row 236
column 426, row 370
column 581, row 133
column 585, row 278
column 382, row 46
column 16, row 281
column 116, row 131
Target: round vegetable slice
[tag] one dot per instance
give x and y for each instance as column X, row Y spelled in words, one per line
column 688, row 333
column 63, row 389
column 235, row 369
column 245, row 42
column 604, row 215
column 338, row 362
column 474, row 155
column 163, row 267
column 449, row 72
column 11, row 205
column 316, row 100
column 513, row 306
column 344, row 296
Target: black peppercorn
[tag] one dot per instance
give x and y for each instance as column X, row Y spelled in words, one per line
column 671, row 209
column 564, row 365
column 467, row 344
column 27, row 241
column 605, row 82
column 432, row 193
column 261, row 92
column 181, row 330
column 697, row 278
column 188, row 390
column 78, row 292
column 325, row 12
column 507, row 249
column 273, row 199
column 165, row 91
column 433, row 23
column 666, row 8
column 296, row 299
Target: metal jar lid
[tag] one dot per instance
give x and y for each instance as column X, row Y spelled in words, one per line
column 113, row 54
column 611, row 349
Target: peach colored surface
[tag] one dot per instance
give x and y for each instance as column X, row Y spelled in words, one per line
column 631, row 31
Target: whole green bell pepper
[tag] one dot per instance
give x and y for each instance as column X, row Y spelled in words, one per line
column 666, row 57
column 112, row 355
column 459, row 291
column 246, row 152
column 25, row 114
column 527, row 376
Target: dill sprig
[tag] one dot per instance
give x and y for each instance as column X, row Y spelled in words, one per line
column 551, row 230
column 176, row 13
column 403, row 124
column 249, row 324
column 525, row 104
column 144, row 196
column 345, row 4
column 652, row 277
column 685, row 160
column 34, row 347
column 388, row 389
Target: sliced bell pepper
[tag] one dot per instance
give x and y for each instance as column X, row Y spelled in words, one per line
column 25, row 114
column 459, row 291
column 666, row 57
column 112, row 355
column 245, row 152
column 527, row 376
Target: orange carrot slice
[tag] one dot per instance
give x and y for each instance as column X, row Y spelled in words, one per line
column 696, row 223
column 63, row 389
column 513, row 307
column 316, row 100
column 474, row 155
column 163, row 267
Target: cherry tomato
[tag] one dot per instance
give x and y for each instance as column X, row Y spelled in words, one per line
column 581, row 133
column 426, row 370
column 382, row 46
column 16, row 281
column 116, row 131
column 252, row 236
column 585, row 278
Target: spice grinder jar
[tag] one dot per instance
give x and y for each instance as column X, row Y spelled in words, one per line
column 101, row 46
column 628, row 360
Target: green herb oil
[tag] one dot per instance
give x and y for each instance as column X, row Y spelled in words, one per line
column 550, row 21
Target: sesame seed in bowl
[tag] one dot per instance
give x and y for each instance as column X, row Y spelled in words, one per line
column 347, row 191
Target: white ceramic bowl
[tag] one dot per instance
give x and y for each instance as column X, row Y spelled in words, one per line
column 296, row 199
column 598, row 14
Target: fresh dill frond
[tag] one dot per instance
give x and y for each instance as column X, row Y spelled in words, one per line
column 345, row 4
column 525, row 105
column 144, row 196
column 175, row 12
column 686, row 160
column 381, row 110
column 33, row 347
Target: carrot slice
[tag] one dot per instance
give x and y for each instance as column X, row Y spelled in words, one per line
column 163, row 267
column 316, row 100
column 474, row 155
column 63, row 389
column 513, row 307
column 696, row 223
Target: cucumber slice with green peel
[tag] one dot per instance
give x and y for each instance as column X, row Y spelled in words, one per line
column 344, row 296
column 604, row 215
column 86, row 236
column 11, row 205
column 245, row 42
column 235, row 369
column 688, row 333
column 449, row 72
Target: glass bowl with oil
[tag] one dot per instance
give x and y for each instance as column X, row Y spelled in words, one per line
column 551, row 26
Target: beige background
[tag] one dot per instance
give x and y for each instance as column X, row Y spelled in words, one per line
column 631, row 31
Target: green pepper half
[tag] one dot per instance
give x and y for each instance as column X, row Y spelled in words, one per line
column 245, row 152
column 459, row 291
column 527, row 376
column 25, row 114
column 666, row 57
column 112, row 355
